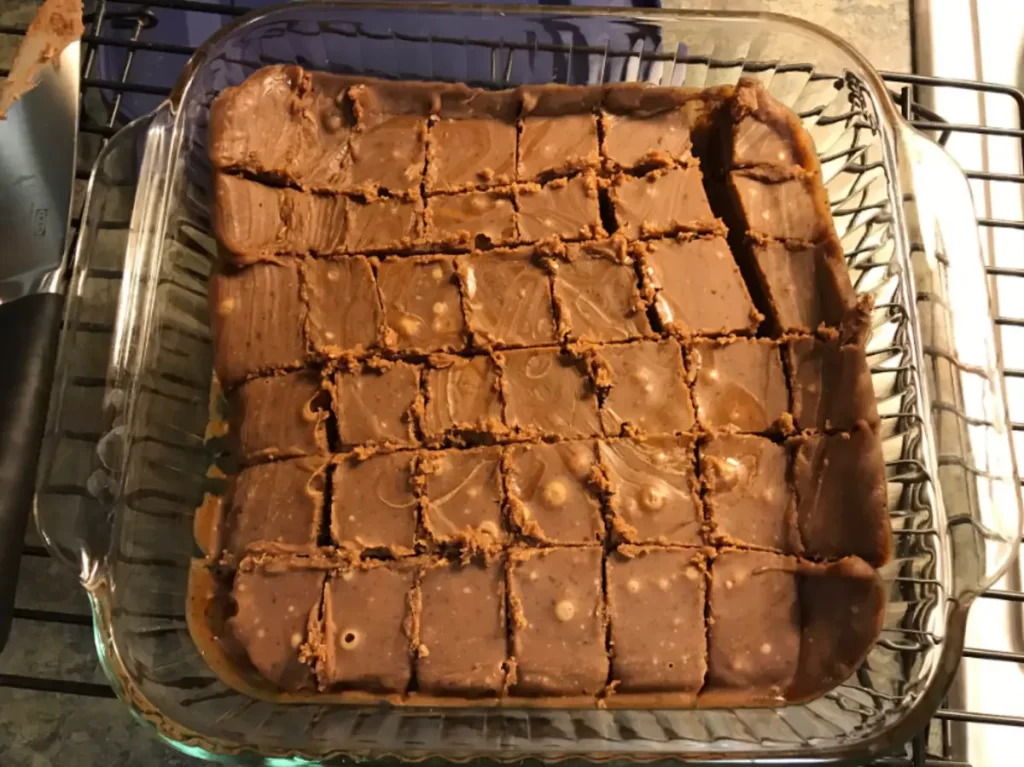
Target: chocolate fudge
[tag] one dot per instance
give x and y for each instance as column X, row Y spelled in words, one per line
column 753, row 588
column 389, row 142
column 552, row 145
column 373, row 503
column 646, row 390
column 790, row 208
column 470, row 220
column 507, row 298
column 462, row 398
column 275, row 506
column 462, row 622
column 374, row 403
column 696, row 287
column 831, row 386
column 656, row 611
column 564, row 208
column 841, row 495
column 282, row 416
column 558, row 621
column 764, row 133
column 553, row 492
column 256, row 130
column 797, row 652
column 548, row 392
column 596, row 294
column 343, row 312
column 383, row 224
column 462, row 496
column 806, row 288
column 421, row 303
column 740, row 385
column 274, row 610
column 471, row 152
column 257, row 317
column 369, row 628
column 653, row 489
column 748, row 493
column 657, row 133
column 256, row 222
column 543, row 396
column 664, row 201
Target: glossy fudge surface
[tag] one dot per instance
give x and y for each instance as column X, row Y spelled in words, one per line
column 545, row 396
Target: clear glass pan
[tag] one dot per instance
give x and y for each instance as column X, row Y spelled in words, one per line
column 124, row 465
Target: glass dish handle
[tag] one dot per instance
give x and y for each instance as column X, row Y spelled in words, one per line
column 79, row 462
column 961, row 369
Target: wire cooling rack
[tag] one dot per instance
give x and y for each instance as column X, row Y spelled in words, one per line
column 117, row 84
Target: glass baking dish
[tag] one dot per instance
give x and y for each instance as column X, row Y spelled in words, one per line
column 125, row 465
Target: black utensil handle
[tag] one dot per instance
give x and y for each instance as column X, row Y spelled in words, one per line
column 28, row 344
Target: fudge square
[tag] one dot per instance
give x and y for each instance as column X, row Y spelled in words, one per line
column 462, row 496
column 793, row 208
column 422, row 306
column 257, row 320
column 471, row 152
column 753, row 589
column 388, row 151
column 595, row 289
column 847, row 593
column 332, row 285
column 662, row 202
column 558, row 144
column 639, row 135
column 654, row 493
column 656, row 611
column 374, row 503
column 462, row 397
column 281, row 416
column 740, row 386
column 697, row 288
column 369, row 628
column 565, row 208
column 374, row 403
column 558, row 621
column 553, row 492
column 765, row 132
column 275, row 608
column 472, row 219
column 276, row 506
column 831, row 386
column 841, row 495
column 748, row 493
column 383, row 224
column 257, row 222
column 548, row 392
column 462, row 647
column 507, row 298
column 646, row 388
column 806, row 287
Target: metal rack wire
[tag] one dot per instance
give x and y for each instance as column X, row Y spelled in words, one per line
column 126, row 29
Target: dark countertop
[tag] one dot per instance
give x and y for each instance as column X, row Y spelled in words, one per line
column 40, row 727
